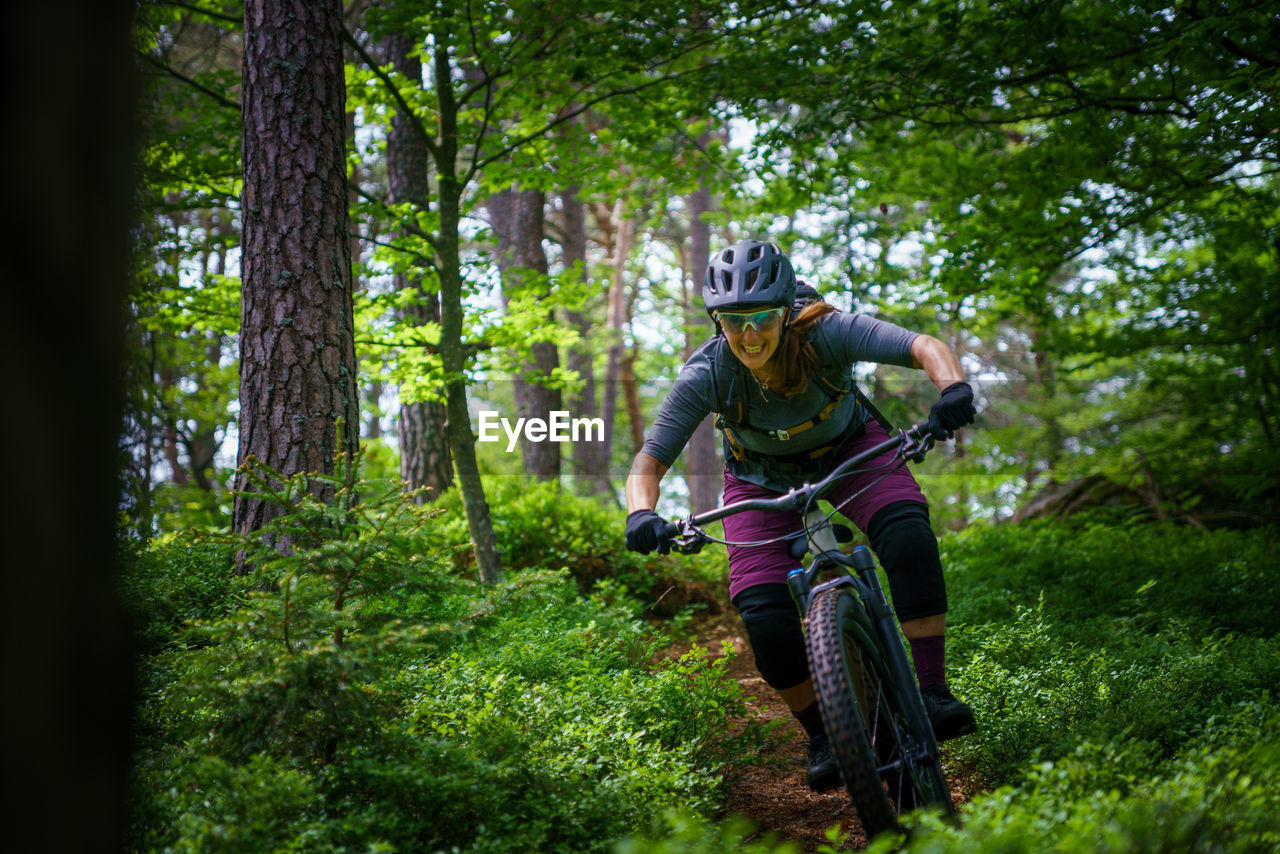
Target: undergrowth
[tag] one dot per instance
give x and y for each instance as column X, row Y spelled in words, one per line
column 361, row 691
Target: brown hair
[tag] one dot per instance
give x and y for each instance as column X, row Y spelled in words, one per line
column 795, row 360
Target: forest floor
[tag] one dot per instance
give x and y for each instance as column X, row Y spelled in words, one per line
column 771, row 791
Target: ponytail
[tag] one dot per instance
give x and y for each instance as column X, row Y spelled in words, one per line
column 795, row 358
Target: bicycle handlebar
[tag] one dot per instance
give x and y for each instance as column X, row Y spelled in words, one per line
column 687, row 537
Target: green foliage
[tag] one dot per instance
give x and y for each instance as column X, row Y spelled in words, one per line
column 540, row 525
column 1222, row 795
column 363, row 695
column 1069, row 634
column 176, row 583
column 680, row 832
column 1221, row 579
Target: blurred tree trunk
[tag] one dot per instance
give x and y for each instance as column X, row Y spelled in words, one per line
column 297, row 350
column 621, row 232
column 65, row 646
column 518, row 219
column 590, row 464
column 702, row 469
column 425, row 460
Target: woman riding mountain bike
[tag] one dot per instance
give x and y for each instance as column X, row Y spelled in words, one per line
column 778, row 375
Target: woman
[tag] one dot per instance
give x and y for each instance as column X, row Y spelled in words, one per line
column 778, row 375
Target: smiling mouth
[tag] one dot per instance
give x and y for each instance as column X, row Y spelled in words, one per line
column 752, row 351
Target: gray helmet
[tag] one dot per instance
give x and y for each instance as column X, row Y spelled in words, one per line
column 749, row 274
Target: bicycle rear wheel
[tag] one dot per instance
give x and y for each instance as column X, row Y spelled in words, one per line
column 883, row 764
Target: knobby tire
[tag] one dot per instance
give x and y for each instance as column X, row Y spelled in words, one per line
column 866, row 721
column 838, row 679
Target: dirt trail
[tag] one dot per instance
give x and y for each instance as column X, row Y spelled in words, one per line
column 774, row 796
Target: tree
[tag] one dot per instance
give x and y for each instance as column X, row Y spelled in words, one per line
column 505, row 78
column 297, row 349
column 65, row 646
column 424, row 448
column 517, row 219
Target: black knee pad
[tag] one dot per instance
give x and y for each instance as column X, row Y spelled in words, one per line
column 773, row 627
column 904, row 542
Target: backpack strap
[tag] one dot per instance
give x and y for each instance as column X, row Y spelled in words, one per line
column 732, row 412
column 865, row 403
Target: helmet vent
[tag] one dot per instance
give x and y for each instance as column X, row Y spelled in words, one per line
column 755, row 252
column 752, row 275
column 774, row 269
column 726, row 279
column 727, row 256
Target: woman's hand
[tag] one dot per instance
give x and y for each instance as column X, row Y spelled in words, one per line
column 953, row 410
column 647, row 531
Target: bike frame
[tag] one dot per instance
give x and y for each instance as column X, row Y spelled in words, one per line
column 876, row 620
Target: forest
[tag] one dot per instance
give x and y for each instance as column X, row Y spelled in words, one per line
column 369, row 306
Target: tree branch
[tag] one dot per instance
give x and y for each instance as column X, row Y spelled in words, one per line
column 220, row 98
column 208, row 13
column 391, row 87
column 410, row 227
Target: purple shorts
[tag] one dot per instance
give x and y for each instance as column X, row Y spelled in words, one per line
column 752, row 565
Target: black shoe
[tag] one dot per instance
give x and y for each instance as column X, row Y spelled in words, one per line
column 824, row 774
column 950, row 717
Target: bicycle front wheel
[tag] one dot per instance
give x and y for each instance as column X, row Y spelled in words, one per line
column 867, row 723
column 845, row 696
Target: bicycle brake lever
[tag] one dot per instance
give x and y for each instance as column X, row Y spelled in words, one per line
column 918, row 446
column 687, row 540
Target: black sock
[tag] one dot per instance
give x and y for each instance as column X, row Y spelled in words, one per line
column 811, row 719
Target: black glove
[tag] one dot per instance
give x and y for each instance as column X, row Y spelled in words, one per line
column 647, row 531
column 953, row 410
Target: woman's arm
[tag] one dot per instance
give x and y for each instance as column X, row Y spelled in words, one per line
column 937, row 360
column 643, row 481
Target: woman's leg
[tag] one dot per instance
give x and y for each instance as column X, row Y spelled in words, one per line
column 902, row 538
column 757, row 585
column 887, row 504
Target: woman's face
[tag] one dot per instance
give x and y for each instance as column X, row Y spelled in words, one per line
column 753, row 335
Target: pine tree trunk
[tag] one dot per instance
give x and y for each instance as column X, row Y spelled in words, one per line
column 517, row 218
column 590, row 465
column 297, row 351
column 702, row 468
column 425, row 460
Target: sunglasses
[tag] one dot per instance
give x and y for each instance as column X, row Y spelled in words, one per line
column 761, row 321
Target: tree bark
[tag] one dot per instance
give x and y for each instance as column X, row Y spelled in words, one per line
column 518, row 220
column 590, row 464
column 702, row 468
column 623, row 232
column 297, row 350
column 425, row 461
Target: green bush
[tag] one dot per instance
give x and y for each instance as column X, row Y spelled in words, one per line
column 1222, row 579
column 540, row 525
column 175, row 583
column 1221, row 796
column 1049, row 656
column 365, row 695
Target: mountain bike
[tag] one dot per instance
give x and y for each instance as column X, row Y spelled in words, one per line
column 875, row 718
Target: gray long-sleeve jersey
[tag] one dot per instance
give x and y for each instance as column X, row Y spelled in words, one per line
column 713, row 377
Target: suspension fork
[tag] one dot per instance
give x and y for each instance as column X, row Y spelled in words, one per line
column 886, row 624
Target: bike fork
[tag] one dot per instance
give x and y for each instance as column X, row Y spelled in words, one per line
column 886, row 624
